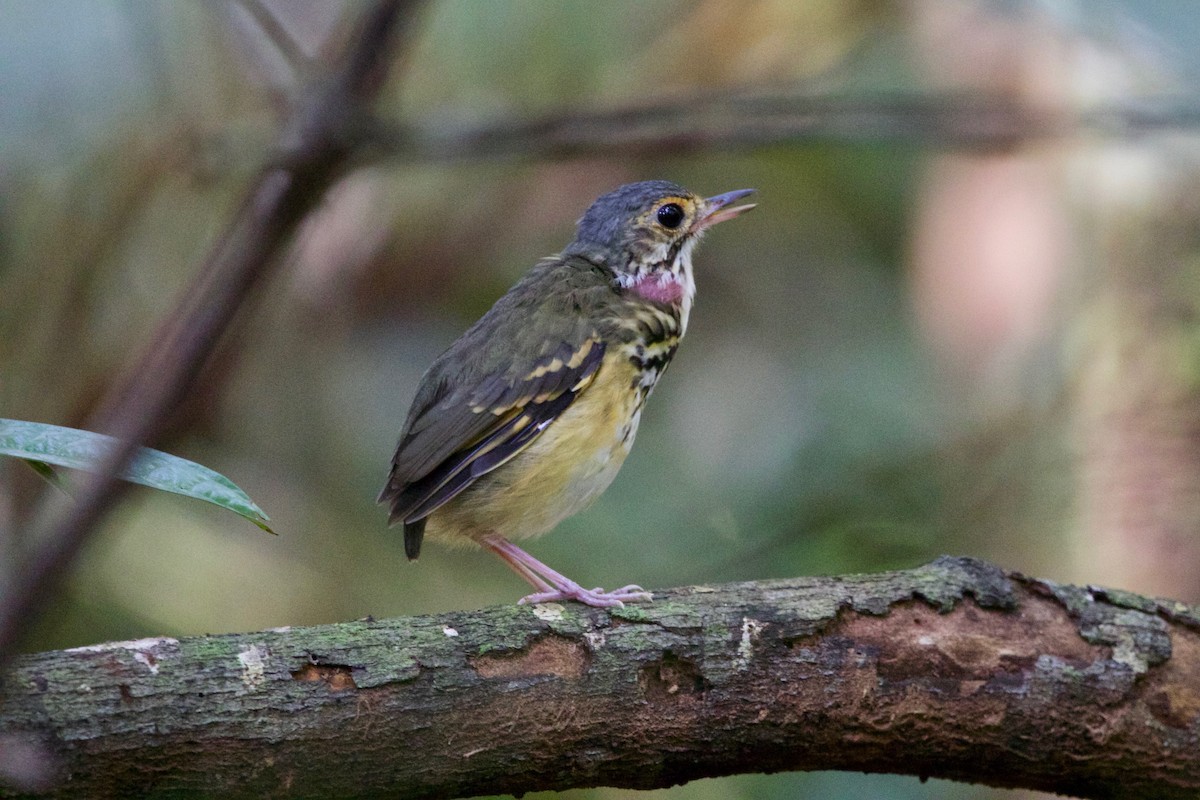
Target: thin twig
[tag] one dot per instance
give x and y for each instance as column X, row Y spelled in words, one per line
column 316, row 148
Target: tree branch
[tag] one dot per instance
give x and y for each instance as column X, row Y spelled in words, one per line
column 705, row 122
column 952, row 670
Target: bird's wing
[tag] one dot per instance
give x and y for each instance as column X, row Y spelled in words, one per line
column 461, row 428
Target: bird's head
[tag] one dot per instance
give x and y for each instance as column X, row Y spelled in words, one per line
column 645, row 233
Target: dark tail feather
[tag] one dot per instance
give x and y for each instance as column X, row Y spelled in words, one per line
column 414, row 532
column 401, row 505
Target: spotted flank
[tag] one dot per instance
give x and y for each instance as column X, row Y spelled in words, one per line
column 651, row 360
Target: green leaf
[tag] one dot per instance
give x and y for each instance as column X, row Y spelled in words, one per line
column 41, row 444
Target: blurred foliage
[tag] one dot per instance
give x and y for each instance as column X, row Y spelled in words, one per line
column 810, row 423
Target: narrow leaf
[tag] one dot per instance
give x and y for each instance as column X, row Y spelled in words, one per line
column 69, row 447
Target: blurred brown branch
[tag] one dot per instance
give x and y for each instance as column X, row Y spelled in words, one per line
column 724, row 121
column 316, row 147
column 952, row 670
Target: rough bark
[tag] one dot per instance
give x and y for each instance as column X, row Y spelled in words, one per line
column 953, row 670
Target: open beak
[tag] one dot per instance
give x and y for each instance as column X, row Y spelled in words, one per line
column 716, row 208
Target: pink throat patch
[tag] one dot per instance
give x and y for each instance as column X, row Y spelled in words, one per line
column 652, row 287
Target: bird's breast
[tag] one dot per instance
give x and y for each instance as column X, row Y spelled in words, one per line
column 562, row 471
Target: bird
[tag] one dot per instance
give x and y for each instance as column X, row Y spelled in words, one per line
column 527, row 417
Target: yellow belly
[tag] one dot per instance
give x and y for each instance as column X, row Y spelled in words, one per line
column 561, row 472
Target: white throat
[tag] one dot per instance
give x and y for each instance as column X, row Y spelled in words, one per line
column 681, row 271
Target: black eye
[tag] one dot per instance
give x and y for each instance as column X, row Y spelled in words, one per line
column 670, row 215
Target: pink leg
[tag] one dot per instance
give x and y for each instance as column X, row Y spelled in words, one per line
column 525, row 572
column 552, row 585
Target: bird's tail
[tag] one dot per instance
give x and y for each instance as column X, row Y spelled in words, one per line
column 414, row 532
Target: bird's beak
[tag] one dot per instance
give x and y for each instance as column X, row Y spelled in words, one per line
column 715, row 208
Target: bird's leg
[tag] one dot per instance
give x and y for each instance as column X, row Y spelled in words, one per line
column 553, row 585
column 525, row 572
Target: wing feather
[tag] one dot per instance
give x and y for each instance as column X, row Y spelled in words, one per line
column 507, row 417
column 499, row 446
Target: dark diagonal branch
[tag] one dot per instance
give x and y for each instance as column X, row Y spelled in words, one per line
column 953, row 670
column 325, row 131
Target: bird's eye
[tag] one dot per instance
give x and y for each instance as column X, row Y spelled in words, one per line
column 670, row 215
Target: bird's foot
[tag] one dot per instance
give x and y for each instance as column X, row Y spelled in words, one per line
column 597, row 597
column 553, row 586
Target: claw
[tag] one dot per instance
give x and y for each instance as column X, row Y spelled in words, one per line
column 597, row 597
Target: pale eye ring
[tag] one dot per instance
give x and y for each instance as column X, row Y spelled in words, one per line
column 670, row 216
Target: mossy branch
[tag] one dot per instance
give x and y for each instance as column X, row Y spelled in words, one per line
column 952, row 670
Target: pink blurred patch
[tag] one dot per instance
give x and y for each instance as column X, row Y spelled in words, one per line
column 653, row 287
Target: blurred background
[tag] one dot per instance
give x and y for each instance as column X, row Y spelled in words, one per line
column 925, row 340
